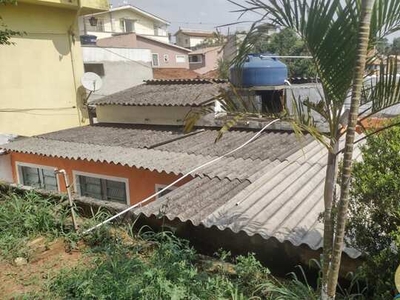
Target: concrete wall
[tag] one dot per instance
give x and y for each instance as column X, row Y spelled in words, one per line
column 163, row 50
column 165, row 115
column 123, row 68
column 40, row 75
column 122, row 75
column 96, row 54
column 155, row 115
column 141, row 182
column 122, row 41
column 5, row 168
column 210, row 62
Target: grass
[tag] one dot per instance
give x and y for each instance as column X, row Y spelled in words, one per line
column 122, row 264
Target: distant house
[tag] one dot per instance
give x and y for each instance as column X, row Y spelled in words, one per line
column 205, row 60
column 119, row 68
column 124, row 19
column 190, row 38
column 164, row 55
column 158, row 102
column 40, row 88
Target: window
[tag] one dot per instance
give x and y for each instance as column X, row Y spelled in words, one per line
column 180, row 58
column 187, row 41
column 166, row 58
column 156, row 30
column 127, row 25
column 37, row 176
column 159, row 187
column 195, row 59
column 155, row 61
column 95, row 68
column 102, row 187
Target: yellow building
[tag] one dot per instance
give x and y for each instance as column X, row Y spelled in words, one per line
column 40, row 89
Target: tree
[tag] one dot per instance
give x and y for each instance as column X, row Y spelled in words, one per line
column 337, row 34
column 287, row 43
column 374, row 220
column 395, row 47
column 384, row 47
column 5, row 33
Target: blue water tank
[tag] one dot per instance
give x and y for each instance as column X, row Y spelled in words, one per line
column 259, row 70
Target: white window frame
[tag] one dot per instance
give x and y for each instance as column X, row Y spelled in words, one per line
column 77, row 190
column 152, row 61
column 161, row 186
column 23, row 164
column 181, row 56
column 197, row 62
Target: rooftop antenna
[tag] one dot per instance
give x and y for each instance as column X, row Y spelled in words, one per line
column 91, row 82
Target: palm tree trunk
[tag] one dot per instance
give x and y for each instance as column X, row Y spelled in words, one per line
column 329, row 189
column 362, row 48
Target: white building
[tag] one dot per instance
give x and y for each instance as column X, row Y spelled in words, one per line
column 190, row 38
column 124, row 19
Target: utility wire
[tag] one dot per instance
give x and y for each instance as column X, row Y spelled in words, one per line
column 180, row 179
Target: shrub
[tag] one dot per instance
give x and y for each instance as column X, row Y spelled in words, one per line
column 25, row 217
column 375, row 210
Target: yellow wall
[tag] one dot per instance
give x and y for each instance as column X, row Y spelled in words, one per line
column 40, row 75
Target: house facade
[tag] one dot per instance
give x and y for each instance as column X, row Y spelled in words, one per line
column 119, row 68
column 164, row 55
column 265, row 197
column 40, row 89
column 205, row 60
column 124, row 19
column 190, row 38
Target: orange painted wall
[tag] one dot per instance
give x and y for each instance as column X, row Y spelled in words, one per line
column 141, row 182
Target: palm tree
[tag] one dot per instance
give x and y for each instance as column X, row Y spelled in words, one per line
column 338, row 35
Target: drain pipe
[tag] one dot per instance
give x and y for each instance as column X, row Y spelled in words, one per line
column 71, row 202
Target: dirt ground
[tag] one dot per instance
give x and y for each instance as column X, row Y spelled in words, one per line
column 46, row 260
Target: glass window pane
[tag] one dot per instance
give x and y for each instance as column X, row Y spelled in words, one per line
column 115, row 191
column 90, row 187
column 49, row 180
column 30, row 177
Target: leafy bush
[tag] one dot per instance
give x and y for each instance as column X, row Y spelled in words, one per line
column 375, row 210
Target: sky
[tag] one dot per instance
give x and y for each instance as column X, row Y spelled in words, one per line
column 197, row 14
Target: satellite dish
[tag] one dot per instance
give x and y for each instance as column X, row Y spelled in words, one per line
column 91, row 81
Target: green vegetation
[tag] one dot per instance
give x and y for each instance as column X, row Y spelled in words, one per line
column 375, row 210
column 5, row 33
column 287, row 43
column 120, row 263
column 25, row 218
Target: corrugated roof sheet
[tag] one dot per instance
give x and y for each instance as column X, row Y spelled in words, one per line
column 153, row 160
column 118, row 135
column 270, row 145
column 157, row 93
column 284, row 203
column 195, row 200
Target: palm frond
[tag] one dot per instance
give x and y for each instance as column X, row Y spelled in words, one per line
column 385, row 19
column 383, row 91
